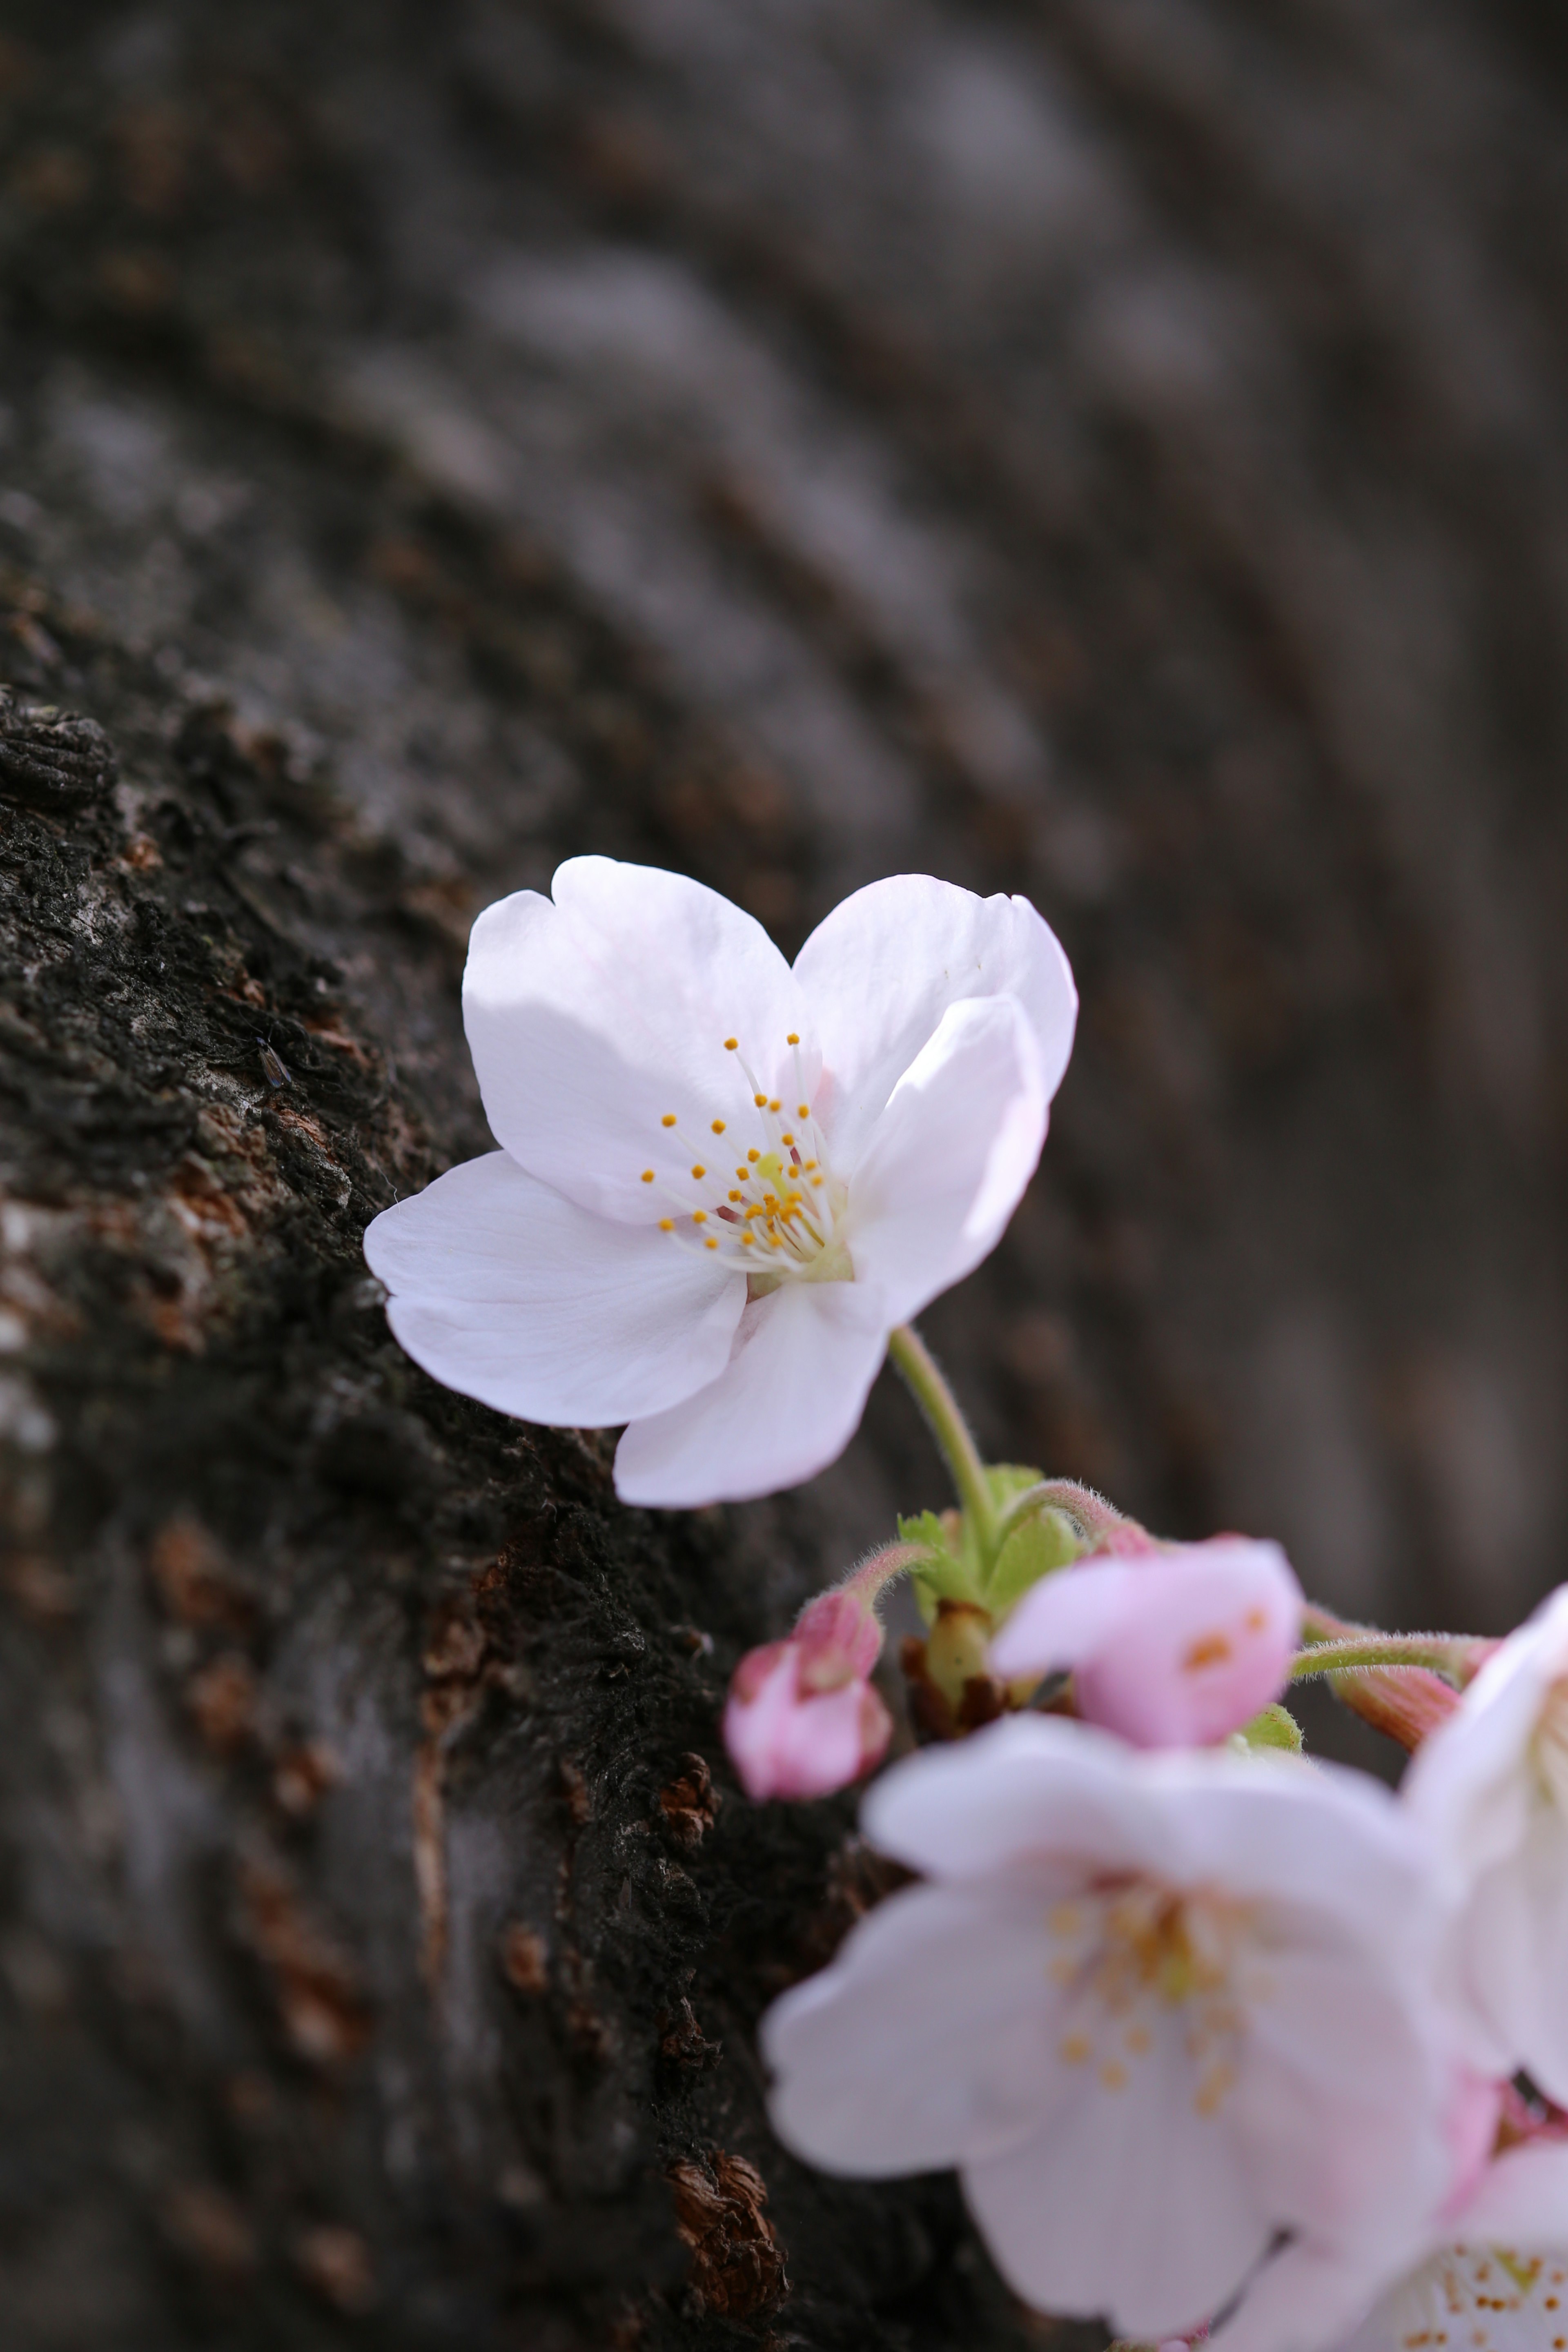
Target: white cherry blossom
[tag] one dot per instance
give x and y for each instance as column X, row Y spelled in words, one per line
column 1491, row 1785
column 723, row 1179
column 1168, row 2013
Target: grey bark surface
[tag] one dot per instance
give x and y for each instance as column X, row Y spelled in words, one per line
column 1108, row 449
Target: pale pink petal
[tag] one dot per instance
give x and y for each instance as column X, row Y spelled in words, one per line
column 1278, row 1828
column 930, row 2040
column 1209, row 1638
column 1177, row 2221
column 1065, row 1617
column 1305, row 2298
column 1466, row 1780
column 946, row 1164
column 1177, row 1650
column 1030, row 1786
column 1342, row 2100
column 882, row 969
column 1514, row 1945
column 1521, row 2200
column 506, row 1292
column 592, row 1016
column 786, row 1405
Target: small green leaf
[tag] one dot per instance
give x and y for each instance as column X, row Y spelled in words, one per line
column 946, row 1574
column 1008, row 1479
column 1047, row 1542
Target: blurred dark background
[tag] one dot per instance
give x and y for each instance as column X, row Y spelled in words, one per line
column 1113, row 450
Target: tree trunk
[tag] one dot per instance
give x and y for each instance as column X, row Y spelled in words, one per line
column 1108, row 449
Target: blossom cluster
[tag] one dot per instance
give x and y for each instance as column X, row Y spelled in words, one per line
column 1227, row 2043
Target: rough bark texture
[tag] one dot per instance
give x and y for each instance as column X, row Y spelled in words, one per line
column 1107, row 449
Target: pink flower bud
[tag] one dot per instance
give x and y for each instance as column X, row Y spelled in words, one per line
column 1169, row 1649
column 801, row 1718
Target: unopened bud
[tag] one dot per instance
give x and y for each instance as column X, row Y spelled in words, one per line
column 801, row 1718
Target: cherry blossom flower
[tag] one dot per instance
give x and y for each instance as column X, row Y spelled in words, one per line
column 1169, row 2014
column 801, row 1718
column 1500, row 2281
column 1170, row 1647
column 1491, row 1785
column 723, row 1179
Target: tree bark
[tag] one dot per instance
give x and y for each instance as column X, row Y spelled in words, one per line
column 1110, row 449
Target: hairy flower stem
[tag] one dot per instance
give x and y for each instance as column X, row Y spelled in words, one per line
column 868, row 1582
column 1096, row 1518
column 1440, row 1653
column 1334, row 1644
column 951, row 1433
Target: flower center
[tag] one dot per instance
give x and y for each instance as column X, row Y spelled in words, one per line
column 1477, row 2285
column 1139, row 1965
column 758, row 1192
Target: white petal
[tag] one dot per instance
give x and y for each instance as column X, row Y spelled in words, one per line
column 1030, row 1786
column 882, row 969
column 506, row 1292
column 1467, row 1779
column 1303, row 2299
column 947, row 1162
column 1339, row 2103
column 1521, row 2200
column 592, row 1017
column 784, row 1406
column 1039, row 1786
column 1171, row 2225
column 1515, row 1951
column 929, row 2040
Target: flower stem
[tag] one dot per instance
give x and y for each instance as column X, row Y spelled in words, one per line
column 951, row 1433
column 1440, row 1653
column 876, row 1572
column 1097, row 1519
column 1338, row 1642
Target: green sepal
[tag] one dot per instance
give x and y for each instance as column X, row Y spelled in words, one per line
column 1276, row 1727
column 1008, row 1479
column 1046, row 1540
column 945, row 1573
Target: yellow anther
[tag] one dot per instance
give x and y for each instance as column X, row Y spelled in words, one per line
column 667, row 1224
column 802, row 1111
column 731, row 1043
column 809, row 1166
column 1073, row 2049
column 699, row 1171
column 792, row 1039
column 761, row 1101
column 647, row 1175
column 733, row 1195
column 746, row 1240
column 699, row 1216
column 787, row 1138
column 669, row 1119
column 753, row 1155
column 718, row 1127
column 816, row 1179
column 743, row 1173
column 773, row 1242
column 709, row 1242
column 773, row 1105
